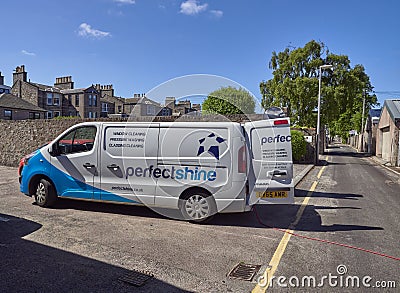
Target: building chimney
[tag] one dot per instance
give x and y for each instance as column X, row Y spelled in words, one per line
column 64, row 82
column 107, row 90
column 20, row 74
column 170, row 102
column 1, row 79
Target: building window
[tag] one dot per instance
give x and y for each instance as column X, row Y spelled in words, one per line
column 49, row 115
column 104, row 107
column 34, row 115
column 90, row 100
column 95, row 100
column 78, row 114
column 69, row 100
column 119, row 109
column 49, row 98
column 92, row 115
column 151, row 110
column 56, row 100
column 7, row 114
column 56, row 114
column 76, row 100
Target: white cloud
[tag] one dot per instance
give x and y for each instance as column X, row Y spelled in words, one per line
column 28, row 53
column 85, row 30
column 217, row 13
column 191, row 7
column 125, row 1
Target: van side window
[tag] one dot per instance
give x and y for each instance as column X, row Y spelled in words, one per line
column 78, row 140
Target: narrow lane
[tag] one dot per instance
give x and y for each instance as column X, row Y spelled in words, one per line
column 356, row 203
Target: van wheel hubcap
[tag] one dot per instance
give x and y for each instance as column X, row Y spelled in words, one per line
column 41, row 193
column 197, row 207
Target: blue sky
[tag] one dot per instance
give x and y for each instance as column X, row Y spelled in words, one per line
column 136, row 45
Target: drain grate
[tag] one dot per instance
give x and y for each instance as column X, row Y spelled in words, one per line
column 136, row 278
column 243, row 271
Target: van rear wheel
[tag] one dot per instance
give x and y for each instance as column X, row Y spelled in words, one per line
column 45, row 195
column 197, row 206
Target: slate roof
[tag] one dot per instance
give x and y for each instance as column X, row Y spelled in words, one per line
column 393, row 107
column 14, row 102
column 77, row 91
column 73, row 91
column 46, row 88
column 141, row 100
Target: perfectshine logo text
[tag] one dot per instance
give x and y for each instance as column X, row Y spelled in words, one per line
column 186, row 173
column 277, row 138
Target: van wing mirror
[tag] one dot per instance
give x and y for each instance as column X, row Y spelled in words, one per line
column 54, row 150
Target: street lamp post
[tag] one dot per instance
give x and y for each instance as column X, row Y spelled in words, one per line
column 363, row 123
column 326, row 66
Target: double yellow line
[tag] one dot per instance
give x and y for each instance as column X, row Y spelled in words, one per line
column 276, row 258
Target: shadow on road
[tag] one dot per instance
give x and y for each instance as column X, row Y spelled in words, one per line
column 352, row 196
column 278, row 216
column 28, row 266
column 281, row 216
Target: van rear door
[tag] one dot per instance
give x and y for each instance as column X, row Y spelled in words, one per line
column 270, row 173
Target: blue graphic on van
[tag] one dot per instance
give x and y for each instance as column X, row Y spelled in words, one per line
column 210, row 144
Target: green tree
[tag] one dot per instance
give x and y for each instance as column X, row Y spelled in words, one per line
column 295, row 85
column 229, row 100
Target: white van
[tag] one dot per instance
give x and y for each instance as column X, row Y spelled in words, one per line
column 200, row 168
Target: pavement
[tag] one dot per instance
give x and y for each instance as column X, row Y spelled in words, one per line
column 377, row 160
column 386, row 164
column 300, row 171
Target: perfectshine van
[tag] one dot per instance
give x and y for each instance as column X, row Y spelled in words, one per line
column 200, row 168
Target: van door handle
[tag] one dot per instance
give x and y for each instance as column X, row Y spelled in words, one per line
column 113, row 166
column 88, row 165
column 277, row 173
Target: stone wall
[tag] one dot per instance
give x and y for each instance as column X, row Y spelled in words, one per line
column 19, row 138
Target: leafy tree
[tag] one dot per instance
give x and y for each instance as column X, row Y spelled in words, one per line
column 229, row 100
column 295, row 85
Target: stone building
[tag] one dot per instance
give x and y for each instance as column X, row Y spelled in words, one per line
column 60, row 99
column 181, row 107
column 82, row 102
column 387, row 136
column 47, row 97
column 110, row 104
column 140, row 105
column 63, row 99
column 15, row 108
column 370, row 130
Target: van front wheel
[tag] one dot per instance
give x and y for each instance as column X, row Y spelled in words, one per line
column 45, row 195
column 197, row 206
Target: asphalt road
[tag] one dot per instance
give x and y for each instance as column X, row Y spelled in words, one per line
column 86, row 247
column 355, row 203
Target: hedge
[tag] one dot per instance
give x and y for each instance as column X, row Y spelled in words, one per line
column 299, row 145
